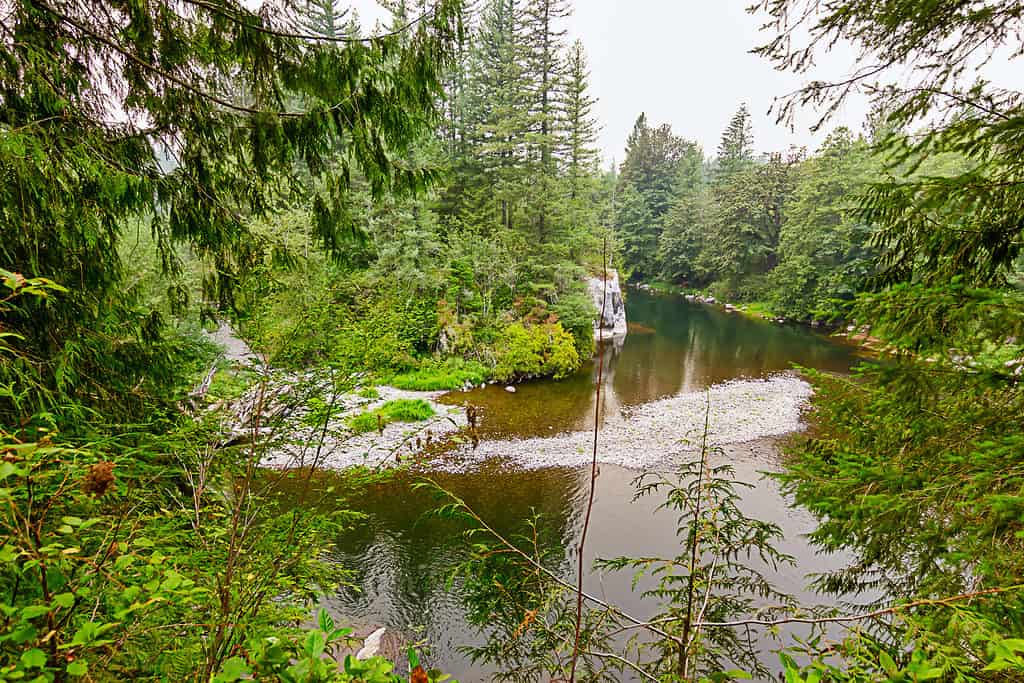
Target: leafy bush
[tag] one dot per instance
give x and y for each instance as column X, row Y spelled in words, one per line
column 577, row 312
column 539, row 350
column 368, row 392
column 399, row 410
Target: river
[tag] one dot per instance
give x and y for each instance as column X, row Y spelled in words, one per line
column 400, row 556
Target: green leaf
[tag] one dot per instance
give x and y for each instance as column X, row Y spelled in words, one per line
column 233, row 670
column 414, row 658
column 315, row 644
column 33, row 659
column 34, row 611
column 325, row 621
column 888, row 664
column 78, row 668
column 64, row 600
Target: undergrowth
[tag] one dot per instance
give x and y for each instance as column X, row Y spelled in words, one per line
column 399, row 410
column 454, row 373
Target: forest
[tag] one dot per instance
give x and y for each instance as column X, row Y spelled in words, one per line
column 241, row 234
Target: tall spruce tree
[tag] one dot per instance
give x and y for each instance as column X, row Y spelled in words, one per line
column 329, row 19
column 499, row 104
column 736, row 149
column 650, row 170
column 545, row 43
column 579, row 126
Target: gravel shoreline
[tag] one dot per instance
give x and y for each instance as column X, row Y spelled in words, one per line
column 342, row 449
column 658, row 432
column 643, row 437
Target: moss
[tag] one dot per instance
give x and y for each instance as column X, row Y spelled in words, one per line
column 399, row 410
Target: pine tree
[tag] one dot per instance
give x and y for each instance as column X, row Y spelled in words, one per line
column 580, row 128
column 330, row 19
column 498, row 113
column 545, row 41
column 650, row 169
column 736, row 148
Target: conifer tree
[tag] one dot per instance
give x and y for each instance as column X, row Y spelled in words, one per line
column 736, row 148
column 545, row 42
column 93, row 100
column 499, row 102
column 650, row 169
column 331, row 19
column 580, row 128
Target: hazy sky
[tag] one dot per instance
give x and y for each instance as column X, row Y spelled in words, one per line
column 687, row 63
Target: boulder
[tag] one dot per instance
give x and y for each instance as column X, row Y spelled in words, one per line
column 607, row 296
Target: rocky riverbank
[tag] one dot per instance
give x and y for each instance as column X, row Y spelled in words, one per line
column 656, row 433
column 645, row 436
column 337, row 447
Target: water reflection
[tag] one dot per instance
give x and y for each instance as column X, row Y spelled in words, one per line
column 681, row 347
column 402, row 556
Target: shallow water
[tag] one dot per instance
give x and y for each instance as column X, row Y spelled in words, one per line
column 401, row 556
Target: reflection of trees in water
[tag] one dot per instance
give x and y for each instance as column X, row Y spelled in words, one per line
column 402, row 555
column 687, row 348
column 695, row 346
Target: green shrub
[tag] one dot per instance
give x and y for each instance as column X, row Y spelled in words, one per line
column 537, row 351
column 399, row 410
column 368, row 392
column 577, row 312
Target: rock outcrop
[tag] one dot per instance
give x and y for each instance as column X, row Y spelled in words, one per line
column 607, row 296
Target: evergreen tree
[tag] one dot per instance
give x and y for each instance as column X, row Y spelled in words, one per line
column 683, row 237
column 736, row 149
column 330, row 19
column 915, row 468
column 93, row 99
column 499, row 106
column 823, row 251
column 580, row 128
column 545, row 42
column 650, row 169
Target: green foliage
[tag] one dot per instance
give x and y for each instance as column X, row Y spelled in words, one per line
column 517, row 594
column 576, row 313
column 398, row 410
column 453, row 373
column 310, row 657
column 647, row 186
column 539, row 350
column 824, row 257
column 207, row 142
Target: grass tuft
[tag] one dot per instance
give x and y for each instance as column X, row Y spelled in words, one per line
column 399, row 410
column 447, row 376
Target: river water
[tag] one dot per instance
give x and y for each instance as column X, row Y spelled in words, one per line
column 400, row 556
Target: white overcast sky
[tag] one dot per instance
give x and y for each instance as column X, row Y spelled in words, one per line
column 688, row 63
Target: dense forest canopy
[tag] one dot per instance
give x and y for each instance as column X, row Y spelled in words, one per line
column 421, row 204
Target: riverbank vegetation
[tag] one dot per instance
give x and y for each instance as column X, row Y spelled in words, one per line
column 420, row 204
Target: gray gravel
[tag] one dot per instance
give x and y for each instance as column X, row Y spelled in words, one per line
column 342, row 449
column 658, row 432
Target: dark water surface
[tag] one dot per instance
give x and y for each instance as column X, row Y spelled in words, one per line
column 401, row 557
